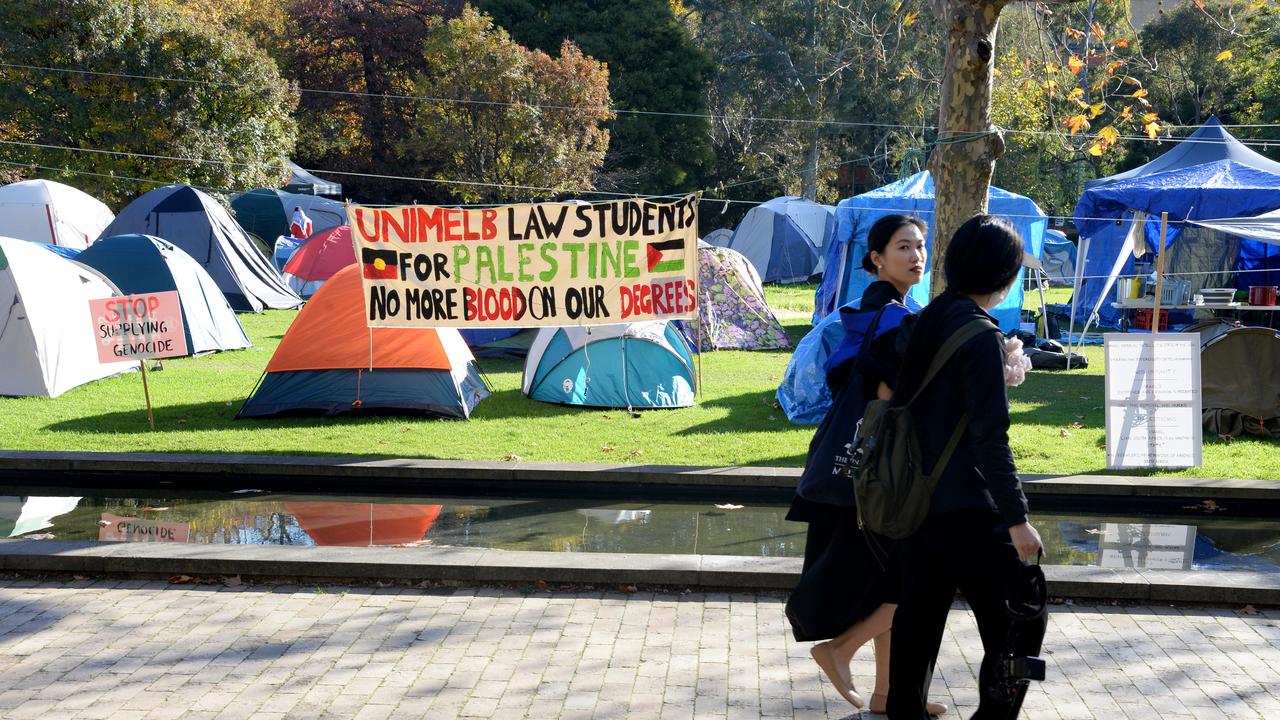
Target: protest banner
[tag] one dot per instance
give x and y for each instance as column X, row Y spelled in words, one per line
column 139, row 327
column 535, row 265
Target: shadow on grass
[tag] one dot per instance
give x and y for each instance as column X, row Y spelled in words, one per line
column 1059, row 399
column 220, row 415
column 747, row 412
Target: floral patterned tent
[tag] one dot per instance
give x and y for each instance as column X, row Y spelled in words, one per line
column 731, row 309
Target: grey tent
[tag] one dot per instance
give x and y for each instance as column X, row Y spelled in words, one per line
column 1240, row 388
column 307, row 184
column 204, row 229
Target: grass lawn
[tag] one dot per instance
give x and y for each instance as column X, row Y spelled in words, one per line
column 1058, row 417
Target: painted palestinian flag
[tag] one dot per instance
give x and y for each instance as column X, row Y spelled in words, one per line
column 378, row 264
column 654, row 253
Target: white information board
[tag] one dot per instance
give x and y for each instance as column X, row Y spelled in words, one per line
column 1153, row 400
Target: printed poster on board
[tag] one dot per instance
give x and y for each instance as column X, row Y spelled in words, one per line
column 533, row 265
column 1153, row 400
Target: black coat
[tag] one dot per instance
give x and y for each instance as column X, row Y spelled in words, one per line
column 981, row 473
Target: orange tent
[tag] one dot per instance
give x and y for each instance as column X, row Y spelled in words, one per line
column 331, row 361
column 363, row 524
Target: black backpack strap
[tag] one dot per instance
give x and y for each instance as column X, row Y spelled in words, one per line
column 950, row 449
column 957, row 339
column 967, row 332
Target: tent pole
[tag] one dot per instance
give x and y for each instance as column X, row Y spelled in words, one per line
column 1155, row 308
column 699, row 341
column 1081, row 253
column 697, row 310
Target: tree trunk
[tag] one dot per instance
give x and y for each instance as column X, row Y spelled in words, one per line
column 809, row 175
column 375, row 117
column 964, row 160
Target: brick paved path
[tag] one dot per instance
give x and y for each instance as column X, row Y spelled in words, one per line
column 109, row 649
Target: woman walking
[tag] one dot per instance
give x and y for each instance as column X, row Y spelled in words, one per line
column 848, row 587
column 977, row 534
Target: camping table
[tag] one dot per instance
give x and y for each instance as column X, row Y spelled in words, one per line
column 1236, row 308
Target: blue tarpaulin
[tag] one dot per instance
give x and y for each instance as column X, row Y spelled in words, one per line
column 845, row 279
column 804, row 394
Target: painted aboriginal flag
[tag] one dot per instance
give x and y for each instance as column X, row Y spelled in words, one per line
column 379, row 264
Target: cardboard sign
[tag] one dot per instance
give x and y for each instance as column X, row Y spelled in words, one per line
column 118, row 528
column 1153, row 400
column 545, row 264
column 137, row 327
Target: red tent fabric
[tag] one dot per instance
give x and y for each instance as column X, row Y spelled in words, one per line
column 363, row 524
column 324, row 254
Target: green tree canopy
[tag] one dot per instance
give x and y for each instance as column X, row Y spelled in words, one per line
column 508, row 131
column 849, row 77
column 231, row 112
column 653, row 65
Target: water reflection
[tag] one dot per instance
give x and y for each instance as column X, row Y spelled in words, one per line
column 364, row 524
column 1133, row 545
column 568, row 525
column 21, row 515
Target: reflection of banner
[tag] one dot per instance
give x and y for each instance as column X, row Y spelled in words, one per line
column 549, row 264
column 130, row 529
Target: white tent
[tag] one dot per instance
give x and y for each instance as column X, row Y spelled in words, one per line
column 48, row 212
column 46, row 335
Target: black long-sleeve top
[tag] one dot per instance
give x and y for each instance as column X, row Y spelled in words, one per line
column 981, row 473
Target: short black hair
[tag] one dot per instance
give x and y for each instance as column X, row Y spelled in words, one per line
column 880, row 233
column 983, row 257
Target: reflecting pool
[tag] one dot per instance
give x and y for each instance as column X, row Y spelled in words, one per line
column 583, row 525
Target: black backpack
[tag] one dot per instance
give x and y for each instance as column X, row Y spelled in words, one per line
column 892, row 490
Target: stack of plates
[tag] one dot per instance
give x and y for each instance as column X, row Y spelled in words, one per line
column 1218, row 296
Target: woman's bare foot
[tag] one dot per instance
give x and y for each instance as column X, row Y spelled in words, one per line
column 837, row 672
column 878, row 703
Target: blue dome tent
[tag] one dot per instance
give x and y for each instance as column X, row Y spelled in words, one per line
column 1209, row 175
column 196, row 223
column 144, row 264
column 631, row 365
column 845, row 279
column 783, row 239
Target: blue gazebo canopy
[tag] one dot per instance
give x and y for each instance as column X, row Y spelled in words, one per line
column 1209, row 175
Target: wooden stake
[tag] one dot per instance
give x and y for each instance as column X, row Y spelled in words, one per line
column 1155, row 309
column 151, row 418
column 697, row 310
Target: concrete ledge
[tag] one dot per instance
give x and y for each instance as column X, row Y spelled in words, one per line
column 407, row 476
column 478, row 565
